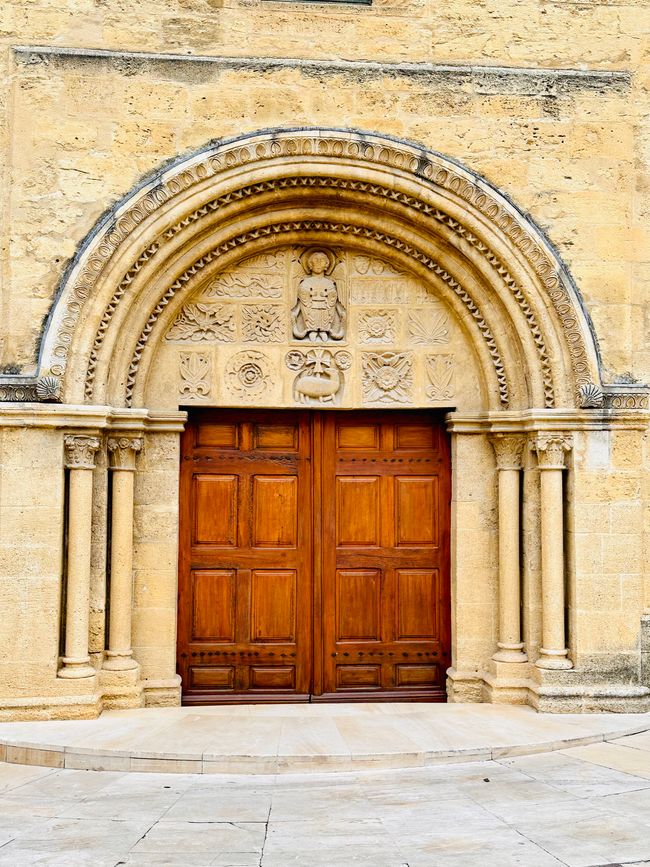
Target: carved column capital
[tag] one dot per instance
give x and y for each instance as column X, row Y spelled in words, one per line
column 122, row 451
column 551, row 449
column 508, row 449
column 80, row 451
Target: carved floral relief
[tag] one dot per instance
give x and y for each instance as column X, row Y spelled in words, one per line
column 387, row 377
column 428, row 327
column 377, row 326
column 440, row 377
column 263, row 323
column 320, row 374
column 248, row 374
column 195, row 370
column 199, row 322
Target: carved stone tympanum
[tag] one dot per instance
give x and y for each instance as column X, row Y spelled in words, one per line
column 318, row 313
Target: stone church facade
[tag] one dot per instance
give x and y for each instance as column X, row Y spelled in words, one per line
column 227, row 224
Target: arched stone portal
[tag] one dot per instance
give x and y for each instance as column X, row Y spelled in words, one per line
column 331, row 269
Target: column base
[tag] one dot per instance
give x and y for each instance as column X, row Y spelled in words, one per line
column 162, row 693
column 119, row 661
column 554, row 660
column 121, row 688
column 76, row 668
column 510, row 653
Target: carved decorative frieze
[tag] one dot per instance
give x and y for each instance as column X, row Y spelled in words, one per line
column 263, row 323
column 248, row 375
column 377, row 326
column 320, row 374
column 122, row 451
column 31, row 389
column 243, row 286
column 318, row 313
column 195, row 371
column 387, row 377
column 508, row 449
column 551, row 449
column 428, row 327
column 591, row 396
column 80, row 451
column 198, row 322
column 440, row 375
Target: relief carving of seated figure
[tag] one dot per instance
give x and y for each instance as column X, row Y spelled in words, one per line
column 318, row 313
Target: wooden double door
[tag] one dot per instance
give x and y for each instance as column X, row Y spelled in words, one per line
column 314, row 556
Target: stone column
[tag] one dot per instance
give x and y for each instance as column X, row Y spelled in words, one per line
column 508, row 449
column 122, row 451
column 80, row 459
column 551, row 448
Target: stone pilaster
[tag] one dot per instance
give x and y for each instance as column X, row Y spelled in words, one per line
column 80, row 460
column 551, row 449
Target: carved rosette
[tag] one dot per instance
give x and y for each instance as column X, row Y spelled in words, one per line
column 508, row 449
column 551, row 449
column 80, row 452
column 122, row 452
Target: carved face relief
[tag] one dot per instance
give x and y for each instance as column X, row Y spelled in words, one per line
column 318, row 314
column 248, row 374
column 199, row 322
column 387, row 377
column 320, row 377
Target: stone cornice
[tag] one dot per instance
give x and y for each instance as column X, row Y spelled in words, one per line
column 94, row 418
column 534, row 420
column 533, row 79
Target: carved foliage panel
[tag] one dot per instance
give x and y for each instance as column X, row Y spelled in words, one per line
column 317, row 326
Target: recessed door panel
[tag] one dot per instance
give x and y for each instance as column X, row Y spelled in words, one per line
column 358, row 605
column 215, row 510
column 275, row 511
column 418, row 591
column 357, row 511
column 213, row 604
column 416, row 510
column 273, row 605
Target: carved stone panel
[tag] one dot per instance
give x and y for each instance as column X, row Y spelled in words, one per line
column 387, row 377
column 197, row 322
column 428, row 327
column 320, row 376
column 377, row 326
column 263, row 323
column 195, row 372
column 440, row 377
column 260, row 276
column 248, row 375
column 319, row 313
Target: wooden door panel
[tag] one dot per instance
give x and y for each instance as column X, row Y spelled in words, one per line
column 385, row 563
column 213, row 605
column 245, row 593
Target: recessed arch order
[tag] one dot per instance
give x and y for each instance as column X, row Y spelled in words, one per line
column 482, row 255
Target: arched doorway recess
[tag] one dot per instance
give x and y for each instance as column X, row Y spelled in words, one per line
column 435, row 293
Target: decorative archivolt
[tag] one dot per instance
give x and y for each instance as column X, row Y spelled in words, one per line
column 492, row 215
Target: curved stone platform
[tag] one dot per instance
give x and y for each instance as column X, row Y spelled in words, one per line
column 257, row 739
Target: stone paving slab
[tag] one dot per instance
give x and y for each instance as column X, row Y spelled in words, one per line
column 308, row 738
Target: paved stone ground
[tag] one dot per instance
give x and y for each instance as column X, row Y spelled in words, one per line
column 580, row 807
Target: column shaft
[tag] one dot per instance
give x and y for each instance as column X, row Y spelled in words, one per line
column 76, row 662
column 122, row 453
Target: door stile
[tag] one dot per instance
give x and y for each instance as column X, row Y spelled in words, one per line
column 317, row 543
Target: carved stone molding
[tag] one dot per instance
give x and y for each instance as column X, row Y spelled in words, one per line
column 278, row 229
column 551, row 449
column 320, row 374
column 23, row 389
column 195, row 371
column 80, row 451
column 122, row 451
column 508, row 449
